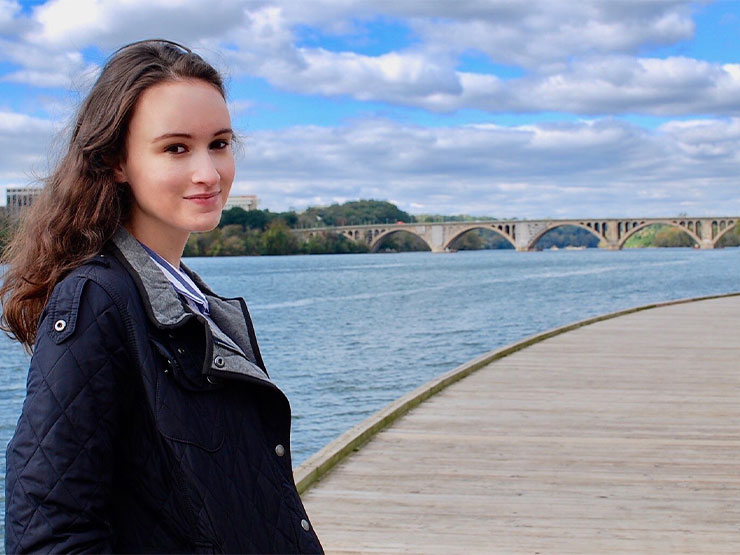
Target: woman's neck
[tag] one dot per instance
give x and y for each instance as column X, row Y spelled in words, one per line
column 168, row 246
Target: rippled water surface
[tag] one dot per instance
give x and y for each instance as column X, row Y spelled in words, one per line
column 344, row 335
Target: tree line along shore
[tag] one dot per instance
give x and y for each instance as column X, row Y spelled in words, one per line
column 262, row 232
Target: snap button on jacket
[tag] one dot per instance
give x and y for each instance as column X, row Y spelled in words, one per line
column 132, row 438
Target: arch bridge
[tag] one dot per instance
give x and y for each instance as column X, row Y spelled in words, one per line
column 524, row 234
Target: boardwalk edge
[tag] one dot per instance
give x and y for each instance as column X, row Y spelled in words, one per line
column 321, row 463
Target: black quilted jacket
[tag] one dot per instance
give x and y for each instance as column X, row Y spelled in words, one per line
column 142, row 431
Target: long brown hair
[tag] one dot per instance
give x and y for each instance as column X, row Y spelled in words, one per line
column 82, row 204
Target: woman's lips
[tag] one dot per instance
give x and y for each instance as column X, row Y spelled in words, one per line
column 204, row 199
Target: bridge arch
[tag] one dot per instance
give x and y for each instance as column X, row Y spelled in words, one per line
column 550, row 227
column 729, row 226
column 478, row 226
column 378, row 238
column 642, row 225
column 352, row 234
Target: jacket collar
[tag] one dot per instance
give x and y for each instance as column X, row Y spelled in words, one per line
column 166, row 307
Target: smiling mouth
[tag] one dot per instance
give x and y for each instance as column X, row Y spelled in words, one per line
column 204, row 196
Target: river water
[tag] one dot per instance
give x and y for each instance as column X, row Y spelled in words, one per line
column 343, row 335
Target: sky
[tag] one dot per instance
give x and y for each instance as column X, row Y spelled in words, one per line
column 510, row 109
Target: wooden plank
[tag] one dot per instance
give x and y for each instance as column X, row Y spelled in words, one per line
column 622, row 436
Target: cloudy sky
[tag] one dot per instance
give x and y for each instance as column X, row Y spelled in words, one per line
column 528, row 109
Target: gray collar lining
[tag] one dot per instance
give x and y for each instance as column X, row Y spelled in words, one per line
column 166, row 305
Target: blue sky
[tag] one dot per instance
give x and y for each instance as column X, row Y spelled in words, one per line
column 508, row 109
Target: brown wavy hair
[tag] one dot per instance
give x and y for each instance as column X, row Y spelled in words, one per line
column 82, row 205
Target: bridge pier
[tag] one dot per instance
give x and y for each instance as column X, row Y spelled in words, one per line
column 706, row 234
column 525, row 232
column 611, row 236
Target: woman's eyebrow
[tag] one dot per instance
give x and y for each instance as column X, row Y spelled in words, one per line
column 172, row 136
column 189, row 136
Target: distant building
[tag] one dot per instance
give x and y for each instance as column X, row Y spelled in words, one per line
column 19, row 198
column 245, row 202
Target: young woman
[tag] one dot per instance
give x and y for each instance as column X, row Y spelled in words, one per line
column 150, row 423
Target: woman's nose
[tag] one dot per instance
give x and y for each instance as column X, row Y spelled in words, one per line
column 204, row 170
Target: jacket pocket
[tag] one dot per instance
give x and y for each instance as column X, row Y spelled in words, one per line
column 183, row 413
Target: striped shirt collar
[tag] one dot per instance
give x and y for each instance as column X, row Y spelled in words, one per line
column 180, row 281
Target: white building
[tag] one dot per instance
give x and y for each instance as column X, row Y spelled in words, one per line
column 245, row 202
column 19, row 198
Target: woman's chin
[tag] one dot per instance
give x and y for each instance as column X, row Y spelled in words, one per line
column 205, row 225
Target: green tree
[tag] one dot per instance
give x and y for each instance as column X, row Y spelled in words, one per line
column 470, row 241
column 252, row 241
column 233, row 240
column 659, row 235
column 355, row 212
column 247, row 219
column 731, row 238
column 568, row 236
column 191, row 247
column 208, row 243
column 402, row 241
column 278, row 239
column 672, row 237
column 332, row 243
column 478, row 239
column 8, row 227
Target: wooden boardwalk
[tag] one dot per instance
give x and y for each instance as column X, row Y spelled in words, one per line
column 622, row 436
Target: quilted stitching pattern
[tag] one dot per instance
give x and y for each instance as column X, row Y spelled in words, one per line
column 58, row 460
column 190, row 417
column 266, row 505
column 102, row 421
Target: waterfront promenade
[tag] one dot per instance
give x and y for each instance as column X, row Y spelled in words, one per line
column 620, row 436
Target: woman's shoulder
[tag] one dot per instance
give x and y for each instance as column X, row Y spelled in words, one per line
column 104, row 270
column 100, row 285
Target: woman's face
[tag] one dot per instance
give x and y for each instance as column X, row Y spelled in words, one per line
column 179, row 162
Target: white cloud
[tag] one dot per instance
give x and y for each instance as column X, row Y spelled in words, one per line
column 590, row 168
column 710, row 142
column 63, row 20
column 575, row 58
column 603, row 85
column 24, row 146
column 9, row 10
column 258, row 38
column 47, row 79
column 393, row 77
column 618, row 84
column 512, row 31
column 571, row 53
column 13, row 122
column 41, row 67
column 545, row 32
column 112, row 23
column 572, row 56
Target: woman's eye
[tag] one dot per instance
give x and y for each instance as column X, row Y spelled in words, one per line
column 175, row 149
column 219, row 144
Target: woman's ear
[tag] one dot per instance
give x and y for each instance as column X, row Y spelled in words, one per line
column 119, row 171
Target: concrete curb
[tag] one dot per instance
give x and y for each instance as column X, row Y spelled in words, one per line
column 317, row 466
